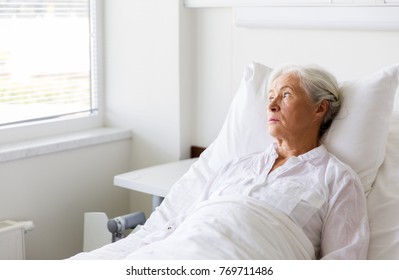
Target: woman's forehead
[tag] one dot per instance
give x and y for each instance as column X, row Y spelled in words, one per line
column 286, row 80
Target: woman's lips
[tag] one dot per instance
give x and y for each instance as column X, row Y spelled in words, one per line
column 273, row 120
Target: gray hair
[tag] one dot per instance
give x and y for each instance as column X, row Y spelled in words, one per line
column 319, row 84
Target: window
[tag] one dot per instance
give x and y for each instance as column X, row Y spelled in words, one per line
column 48, row 65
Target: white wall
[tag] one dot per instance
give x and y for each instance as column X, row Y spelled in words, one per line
column 142, row 76
column 148, row 89
column 213, row 29
column 349, row 54
column 55, row 190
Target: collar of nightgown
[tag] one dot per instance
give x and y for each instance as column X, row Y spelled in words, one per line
column 313, row 154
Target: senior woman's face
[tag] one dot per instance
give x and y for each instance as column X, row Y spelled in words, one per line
column 291, row 113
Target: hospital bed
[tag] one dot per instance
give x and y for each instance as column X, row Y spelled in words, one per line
column 364, row 135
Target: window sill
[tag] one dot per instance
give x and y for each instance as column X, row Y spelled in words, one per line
column 47, row 145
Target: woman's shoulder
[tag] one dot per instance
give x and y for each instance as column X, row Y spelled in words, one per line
column 333, row 159
column 340, row 169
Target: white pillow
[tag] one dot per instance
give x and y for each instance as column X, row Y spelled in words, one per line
column 359, row 133
column 357, row 136
column 245, row 128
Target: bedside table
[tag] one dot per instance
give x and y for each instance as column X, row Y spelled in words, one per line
column 155, row 180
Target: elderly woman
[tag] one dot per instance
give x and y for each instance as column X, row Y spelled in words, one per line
column 297, row 175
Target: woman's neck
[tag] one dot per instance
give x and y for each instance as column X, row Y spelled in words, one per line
column 287, row 149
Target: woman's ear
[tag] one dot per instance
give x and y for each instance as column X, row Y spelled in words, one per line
column 322, row 109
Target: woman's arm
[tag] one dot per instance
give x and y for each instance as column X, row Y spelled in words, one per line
column 346, row 232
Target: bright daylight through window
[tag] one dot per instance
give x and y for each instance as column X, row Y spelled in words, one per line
column 47, row 59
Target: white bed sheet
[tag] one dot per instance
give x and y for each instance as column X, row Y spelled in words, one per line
column 231, row 227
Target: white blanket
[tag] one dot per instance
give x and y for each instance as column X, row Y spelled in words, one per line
column 233, row 227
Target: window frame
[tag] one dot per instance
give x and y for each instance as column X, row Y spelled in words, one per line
column 73, row 123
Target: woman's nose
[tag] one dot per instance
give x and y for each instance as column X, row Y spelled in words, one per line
column 273, row 105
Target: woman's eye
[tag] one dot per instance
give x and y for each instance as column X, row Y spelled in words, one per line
column 286, row 94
